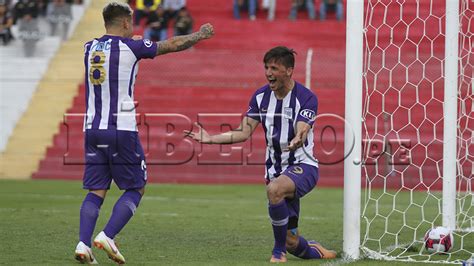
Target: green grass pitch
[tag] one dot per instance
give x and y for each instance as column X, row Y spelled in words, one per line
column 174, row 225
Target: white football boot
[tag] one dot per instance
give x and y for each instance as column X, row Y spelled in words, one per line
column 83, row 254
column 107, row 244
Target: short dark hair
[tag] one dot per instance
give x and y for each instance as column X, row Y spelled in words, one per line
column 114, row 10
column 280, row 54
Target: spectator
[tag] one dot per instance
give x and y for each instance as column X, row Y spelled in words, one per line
column 43, row 7
column 144, row 8
column 26, row 13
column 60, row 12
column 157, row 25
column 184, row 23
column 270, row 5
column 172, row 7
column 331, row 5
column 250, row 5
column 6, row 21
column 25, row 7
column 302, row 4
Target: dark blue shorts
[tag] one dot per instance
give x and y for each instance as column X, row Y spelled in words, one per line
column 114, row 155
column 305, row 177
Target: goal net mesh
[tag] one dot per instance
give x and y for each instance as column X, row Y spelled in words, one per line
column 403, row 75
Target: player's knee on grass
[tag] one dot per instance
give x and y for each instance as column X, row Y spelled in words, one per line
column 141, row 191
column 292, row 240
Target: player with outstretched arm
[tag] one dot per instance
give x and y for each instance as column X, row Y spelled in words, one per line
column 112, row 146
column 286, row 110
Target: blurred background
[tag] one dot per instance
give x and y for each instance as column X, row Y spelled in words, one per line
column 42, row 87
column 42, row 98
column 42, row 105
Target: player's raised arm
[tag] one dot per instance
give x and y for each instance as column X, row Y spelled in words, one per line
column 241, row 134
column 179, row 43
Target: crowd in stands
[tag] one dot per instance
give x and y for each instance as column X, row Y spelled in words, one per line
column 157, row 15
column 6, row 20
column 297, row 6
column 154, row 15
column 26, row 15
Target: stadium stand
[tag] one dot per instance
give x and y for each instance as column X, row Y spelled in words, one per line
column 219, row 76
column 19, row 80
column 35, row 94
column 216, row 77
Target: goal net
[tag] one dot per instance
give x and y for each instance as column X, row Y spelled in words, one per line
column 403, row 129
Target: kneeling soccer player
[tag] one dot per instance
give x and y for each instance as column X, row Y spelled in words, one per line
column 286, row 110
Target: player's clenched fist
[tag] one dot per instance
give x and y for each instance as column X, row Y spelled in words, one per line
column 207, row 31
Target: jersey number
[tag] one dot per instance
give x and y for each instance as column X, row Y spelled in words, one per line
column 97, row 71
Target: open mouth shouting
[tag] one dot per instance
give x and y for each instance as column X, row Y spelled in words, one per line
column 272, row 81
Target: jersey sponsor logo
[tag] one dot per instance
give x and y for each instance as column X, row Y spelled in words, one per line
column 148, row 43
column 308, row 114
column 263, row 110
column 297, row 170
column 288, row 112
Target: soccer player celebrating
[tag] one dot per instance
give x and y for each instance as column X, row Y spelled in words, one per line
column 287, row 111
column 112, row 147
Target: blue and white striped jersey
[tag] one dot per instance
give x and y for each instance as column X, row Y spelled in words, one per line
column 279, row 118
column 111, row 66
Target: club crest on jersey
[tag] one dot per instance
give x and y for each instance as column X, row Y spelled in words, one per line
column 148, row 43
column 297, row 170
column 308, row 114
column 288, row 112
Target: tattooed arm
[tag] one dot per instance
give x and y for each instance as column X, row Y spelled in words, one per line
column 184, row 42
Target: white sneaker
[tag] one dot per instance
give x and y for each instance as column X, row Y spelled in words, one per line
column 107, row 244
column 83, row 254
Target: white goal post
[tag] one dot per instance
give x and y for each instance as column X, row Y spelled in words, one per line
column 450, row 113
column 352, row 129
column 399, row 54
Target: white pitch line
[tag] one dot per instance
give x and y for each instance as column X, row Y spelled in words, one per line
column 165, row 214
column 32, row 210
column 204, row 200
column 145, row 198
column 36, row 196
